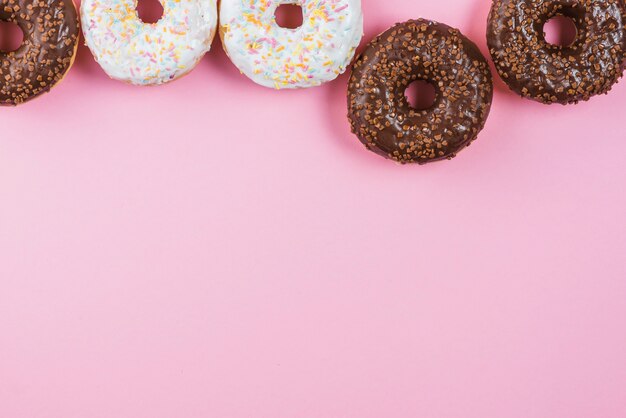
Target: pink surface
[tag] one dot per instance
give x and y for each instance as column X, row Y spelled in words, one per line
column 211, row 248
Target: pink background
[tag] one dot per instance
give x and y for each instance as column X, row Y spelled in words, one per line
column 211, row 248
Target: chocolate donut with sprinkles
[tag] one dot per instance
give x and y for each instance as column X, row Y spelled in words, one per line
column 547, row 73
column 379, row 112
column 47, row 51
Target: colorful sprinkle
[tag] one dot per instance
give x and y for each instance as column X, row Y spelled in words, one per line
column 277, row 57
column 142, row 53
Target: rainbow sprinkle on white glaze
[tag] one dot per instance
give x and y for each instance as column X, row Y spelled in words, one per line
column 143, row 53
column 277, row 57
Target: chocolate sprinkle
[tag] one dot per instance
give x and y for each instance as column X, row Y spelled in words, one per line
column 547, row 73
column 50, row 40
column 379, row 112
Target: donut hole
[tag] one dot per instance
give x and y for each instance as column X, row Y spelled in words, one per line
column 560, row 31
column 289, row 16
column 11, row 36
column 149, row 11
column 421, row 95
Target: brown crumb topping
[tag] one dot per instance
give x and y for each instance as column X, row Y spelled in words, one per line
column 548, row 73
column 50, row 39
column 381, row 116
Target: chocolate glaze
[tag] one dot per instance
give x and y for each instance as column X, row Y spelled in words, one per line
column 50, row 39
column 548, row 73
column 379, row 112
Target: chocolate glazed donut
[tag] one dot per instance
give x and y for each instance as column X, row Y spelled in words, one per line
column 379, row 112
column 547, row 73
column 50, row 40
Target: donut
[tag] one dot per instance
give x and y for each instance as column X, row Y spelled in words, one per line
column 538, row 70
column 379, row 112
column 282, row 58
column 47, row 52
column 141, row 53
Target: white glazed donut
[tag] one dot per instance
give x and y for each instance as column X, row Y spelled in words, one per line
column 141, row 53
column 273, row 56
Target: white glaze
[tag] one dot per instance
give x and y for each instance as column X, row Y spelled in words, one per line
column 277, row 57
column 142, row 53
